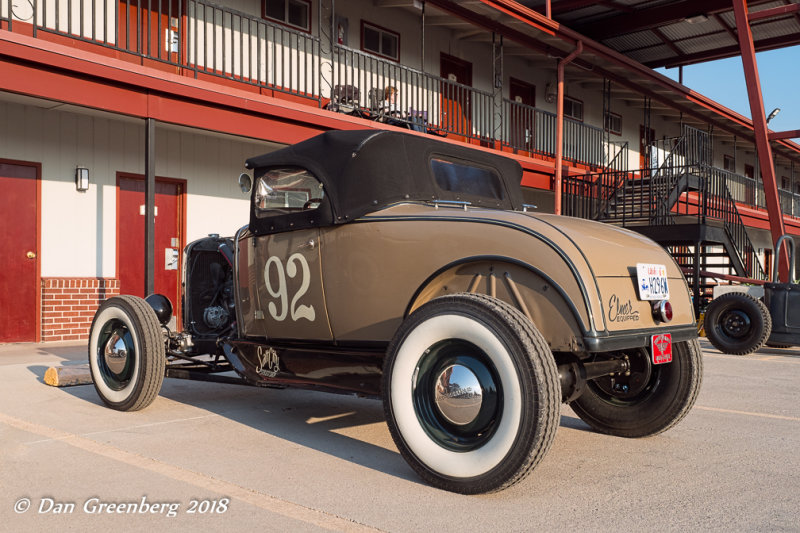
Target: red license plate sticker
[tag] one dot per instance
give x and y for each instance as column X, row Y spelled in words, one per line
column 661, row 348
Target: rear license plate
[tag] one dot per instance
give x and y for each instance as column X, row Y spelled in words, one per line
column 661, row 348
column 652, row 281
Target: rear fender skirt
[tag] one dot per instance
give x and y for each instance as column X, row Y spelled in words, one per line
column 506, row 287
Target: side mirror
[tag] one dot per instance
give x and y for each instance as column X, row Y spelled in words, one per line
column 245, row 183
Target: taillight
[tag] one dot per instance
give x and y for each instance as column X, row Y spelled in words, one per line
column 662, row 310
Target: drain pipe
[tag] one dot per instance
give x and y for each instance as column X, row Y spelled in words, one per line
column 560, row 123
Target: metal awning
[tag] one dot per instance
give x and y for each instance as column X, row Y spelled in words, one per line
column 671, row 33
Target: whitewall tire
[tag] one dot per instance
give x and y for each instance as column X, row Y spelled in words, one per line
column 126, row 353
column 471, row 393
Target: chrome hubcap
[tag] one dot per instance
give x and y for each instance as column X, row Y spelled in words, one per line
column 115, row 352
column 458, row 395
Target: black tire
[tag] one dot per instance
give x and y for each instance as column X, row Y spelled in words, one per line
column 779, row 345
column 126, row 353
column 649, row 401
column 737, row 324
column 440, row 356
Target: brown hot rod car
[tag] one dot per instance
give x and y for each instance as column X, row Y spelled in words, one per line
column 397, row 266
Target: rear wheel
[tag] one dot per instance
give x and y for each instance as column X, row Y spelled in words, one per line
column 652, row 399
column 126, row 353
column 471, row 393
column 737, row 324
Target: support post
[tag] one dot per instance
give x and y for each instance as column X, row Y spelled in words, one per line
column 327, row 34
column 764, row 150
column 498, row 128
column 149, row 205
column 696, row 279
column 560, row 124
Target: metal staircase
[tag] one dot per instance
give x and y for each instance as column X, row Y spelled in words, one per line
column 680, row 201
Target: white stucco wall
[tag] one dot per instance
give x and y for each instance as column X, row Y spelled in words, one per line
column 79, row 229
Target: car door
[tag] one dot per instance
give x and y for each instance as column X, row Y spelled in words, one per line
column 291, row 301
column 282, row 271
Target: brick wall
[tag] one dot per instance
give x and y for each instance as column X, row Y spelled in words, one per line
column 69, row 304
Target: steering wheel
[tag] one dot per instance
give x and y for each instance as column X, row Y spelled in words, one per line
column 312, row 201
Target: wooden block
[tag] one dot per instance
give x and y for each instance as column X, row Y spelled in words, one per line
column 67, row 376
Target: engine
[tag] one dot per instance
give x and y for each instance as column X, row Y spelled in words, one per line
column 209, row 307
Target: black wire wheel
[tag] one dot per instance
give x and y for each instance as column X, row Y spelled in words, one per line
column 737, row 324
column 126, row 353
column 647, row 400
column 471, row 393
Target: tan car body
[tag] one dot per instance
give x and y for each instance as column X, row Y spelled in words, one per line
column 575, row 279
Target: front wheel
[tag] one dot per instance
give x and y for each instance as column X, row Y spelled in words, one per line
column 126, row 353
column 471, row 393
column 649, row 399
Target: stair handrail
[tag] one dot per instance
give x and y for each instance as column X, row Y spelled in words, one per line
column 733, row 224
column 616, row 169
column 665, row 179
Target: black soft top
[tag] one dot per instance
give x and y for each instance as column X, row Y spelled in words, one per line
column 365, row 170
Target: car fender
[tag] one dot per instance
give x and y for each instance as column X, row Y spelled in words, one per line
column 522, row 285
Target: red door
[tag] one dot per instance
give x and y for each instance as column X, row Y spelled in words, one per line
column 19, row 259
column 455, row 99
column 169, row 237
column 152, row 29
column 522, row 118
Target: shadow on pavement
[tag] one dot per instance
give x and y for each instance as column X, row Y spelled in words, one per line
column 325, row 422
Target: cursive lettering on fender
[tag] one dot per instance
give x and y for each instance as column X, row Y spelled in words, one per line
column 621, row 312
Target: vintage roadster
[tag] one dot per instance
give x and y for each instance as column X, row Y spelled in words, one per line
column 397, row 266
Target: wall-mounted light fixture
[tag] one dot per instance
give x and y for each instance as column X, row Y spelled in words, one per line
column 82, row 179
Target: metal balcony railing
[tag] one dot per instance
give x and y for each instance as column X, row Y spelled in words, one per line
column 194, row 35
column 211, row 40
column 532, row 130
column 439, row 104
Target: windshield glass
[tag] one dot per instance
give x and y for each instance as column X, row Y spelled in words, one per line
column 288, row 190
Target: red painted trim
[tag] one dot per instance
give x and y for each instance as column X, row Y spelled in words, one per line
column 777, row 135
column 38, row 222
column 760, row 130
column 773, row 12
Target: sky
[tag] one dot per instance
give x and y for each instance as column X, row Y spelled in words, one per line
column 723, row 81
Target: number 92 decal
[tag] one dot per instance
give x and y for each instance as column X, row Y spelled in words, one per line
column 283, row 307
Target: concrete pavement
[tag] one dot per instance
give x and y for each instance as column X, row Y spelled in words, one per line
column 224, row 457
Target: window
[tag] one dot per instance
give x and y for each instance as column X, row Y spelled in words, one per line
column 466, row 179
column 288, row 190
column 729, row 163
column 785, row 183
column 380, row 41
column 613, row 123
column 294, row 13
column 573, row 108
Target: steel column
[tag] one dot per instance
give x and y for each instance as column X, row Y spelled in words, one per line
column 765, row 161
column 149, row 205
column 560, row 124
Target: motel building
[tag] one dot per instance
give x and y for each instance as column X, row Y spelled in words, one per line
column 101, row 100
